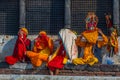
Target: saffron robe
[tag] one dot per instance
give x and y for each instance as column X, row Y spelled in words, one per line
column 41, row 51
column 92, row 39
column 67, row 50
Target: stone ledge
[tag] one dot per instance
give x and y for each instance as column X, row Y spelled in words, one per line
column 68, row 70
column 62, row 72
column 49, row 77
column 94, row 68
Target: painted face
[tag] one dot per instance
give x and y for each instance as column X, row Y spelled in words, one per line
column 88, row 19
column 21, row 33
column 92, row 19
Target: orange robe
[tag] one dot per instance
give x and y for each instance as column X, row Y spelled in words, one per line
column 114, row 41
column 41, row 51
column 88, row 57
column 22, row 44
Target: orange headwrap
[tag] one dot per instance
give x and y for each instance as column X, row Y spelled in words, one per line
column 25, row 30
column 42, row 33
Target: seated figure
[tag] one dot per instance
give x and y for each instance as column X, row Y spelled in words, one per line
column 21, row 46
column 57, row 60
column 66, row 52
column 113, row 35
column 68, row 37
column 43, row 46
column 88, row 39
column 91, row 40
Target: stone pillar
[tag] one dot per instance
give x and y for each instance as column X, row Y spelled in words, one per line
column 67, row 13
column 116, row 13
column 116, row 22
column 22, row 13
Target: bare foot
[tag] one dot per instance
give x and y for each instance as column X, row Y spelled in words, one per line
column 56, row 71
column 51, row 72
column 34, row 68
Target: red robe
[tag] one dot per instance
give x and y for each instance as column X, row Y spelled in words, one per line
column 57, row 61
column 19, row 50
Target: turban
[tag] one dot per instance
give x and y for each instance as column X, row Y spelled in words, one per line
column 25, row 30
column 42, row 33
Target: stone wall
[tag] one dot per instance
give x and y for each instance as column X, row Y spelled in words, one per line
column 7, row 45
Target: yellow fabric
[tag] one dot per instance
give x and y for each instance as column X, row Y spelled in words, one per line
column 25, row 30
column 35, row 49
column 65, row 60
column 91, row 36
column 91, row 60
column 55, row 54
column 114, row 40
column 41, row 50
column 50, row 44
column 104, row 42
column 38, row 58
column 88, row 57
column 80, row 43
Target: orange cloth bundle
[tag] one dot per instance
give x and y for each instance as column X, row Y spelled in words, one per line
column 91, row 36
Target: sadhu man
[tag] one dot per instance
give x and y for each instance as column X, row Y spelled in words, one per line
column 57, row 60
column 65, row 53
column 21, row 46
column 88, row 39
column 42, row 48
column 91, row 40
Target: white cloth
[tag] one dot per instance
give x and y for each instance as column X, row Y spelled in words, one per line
column 68, row 38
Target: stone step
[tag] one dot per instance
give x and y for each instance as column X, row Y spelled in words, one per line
column 48, row 77
column 68, row 70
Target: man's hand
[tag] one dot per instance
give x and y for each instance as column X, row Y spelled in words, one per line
column 100, row 31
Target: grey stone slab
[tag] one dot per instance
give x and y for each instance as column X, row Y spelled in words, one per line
column 26, row 66
column 48, row 77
